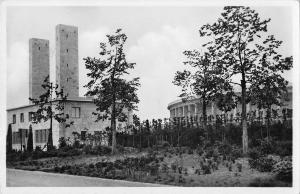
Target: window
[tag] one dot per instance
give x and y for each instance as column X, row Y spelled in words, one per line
column 19, row 137
column 15, row 138
column 22, row 117
column 30, row 116
column 41, row 136
column 75, row 112
column 14, row 119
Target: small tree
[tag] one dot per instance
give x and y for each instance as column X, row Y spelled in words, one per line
column 268, row 86
column 206, row 82
column 50, row 108
column 112, row 92
column 9, row 139
column 30, row 140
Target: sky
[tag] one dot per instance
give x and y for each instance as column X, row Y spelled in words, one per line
column 157, row 36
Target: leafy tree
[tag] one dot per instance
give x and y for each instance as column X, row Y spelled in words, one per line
column 30, row 140
column 268, row 86
column 205, row 82
column 50, row 108
column 113, row 94
column 136, row 123
column 236, row 39
column 9, row 139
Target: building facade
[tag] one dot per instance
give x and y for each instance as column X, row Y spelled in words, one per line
column 79, row 109
column 193, row 108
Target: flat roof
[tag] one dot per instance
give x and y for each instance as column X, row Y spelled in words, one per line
column 79, row 99
column 178, row 101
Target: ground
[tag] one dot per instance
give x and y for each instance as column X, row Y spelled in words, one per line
column 22, row 178
column 188, row 177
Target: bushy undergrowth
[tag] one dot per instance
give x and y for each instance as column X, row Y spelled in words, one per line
column 283, row 170
column 120, row 169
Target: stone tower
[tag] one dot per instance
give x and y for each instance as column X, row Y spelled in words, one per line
column 38, row 66
column 67, row 59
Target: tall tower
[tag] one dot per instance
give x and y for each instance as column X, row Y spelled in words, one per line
column 38, row 66
column 67, row 59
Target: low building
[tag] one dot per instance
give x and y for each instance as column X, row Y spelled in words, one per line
column 79, row 109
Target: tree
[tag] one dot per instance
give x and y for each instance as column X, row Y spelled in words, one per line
column 205, row 82
column 50, row 108
column 9, row 139
column 235, row 39
column 112, row 92
column 268, row 86
column 30, row 140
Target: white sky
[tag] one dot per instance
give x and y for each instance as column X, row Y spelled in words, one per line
column 157, row 36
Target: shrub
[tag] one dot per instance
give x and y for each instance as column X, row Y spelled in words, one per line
column 62, row 142
column 284, row 170
column 267, row 146
column 190, row 151
column 239, row 166
column 225, row 149
column 30, row 140
column 254, row 153
column 206, row 169
column 87, row 149
column 236, row 152
column 164, row 167
column 9, row 139
column 179, row 169
column 230, row 166
column 174, row 166
column 284, row 148
column 263, row 164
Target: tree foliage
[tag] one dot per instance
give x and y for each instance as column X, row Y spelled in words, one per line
column 30, row 140
column 113, row 94
column 9, row 139
column 204, row 80
column 237, row 39
column 50, row 108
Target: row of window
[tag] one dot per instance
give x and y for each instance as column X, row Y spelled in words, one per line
column 75, row 113
column 41, row 136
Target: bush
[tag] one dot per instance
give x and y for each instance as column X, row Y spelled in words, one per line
column 284, row 148
column 236, row 152
column 239, row 167
column 284, row 170
column 267, row 146
column 254, row 153
column 87, row 149
column 62, row 142
column 263, row 164
column 206, row 169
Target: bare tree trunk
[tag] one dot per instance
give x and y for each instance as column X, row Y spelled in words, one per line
column 204, row 116
column 268, row 122
column 244, row 115
column 114, row 130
